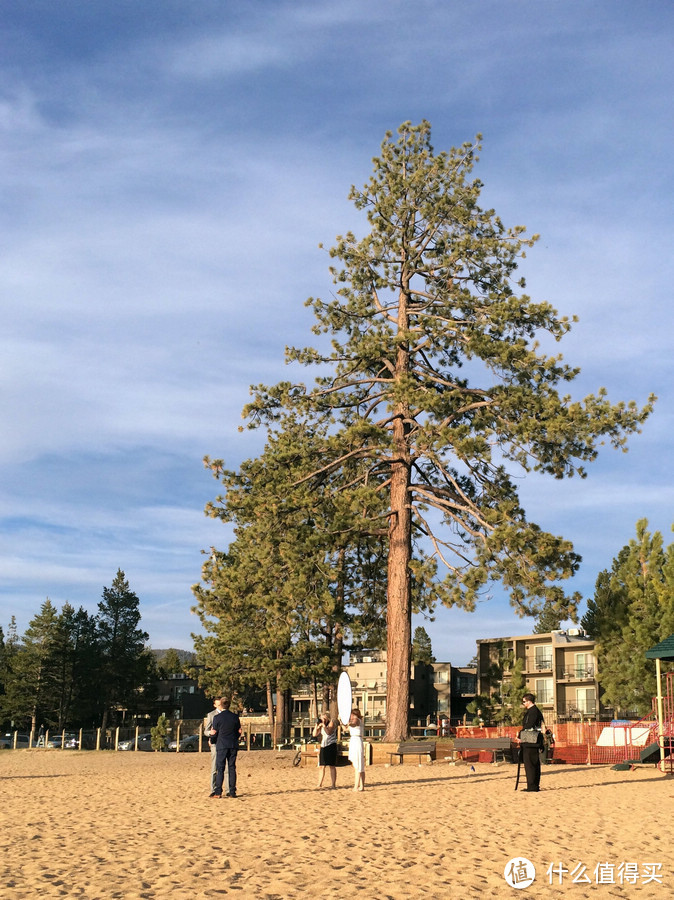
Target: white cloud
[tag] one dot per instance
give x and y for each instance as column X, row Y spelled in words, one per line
column 164, row 193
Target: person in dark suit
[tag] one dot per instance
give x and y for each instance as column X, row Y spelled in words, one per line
column 226, row 730
column 533, row 718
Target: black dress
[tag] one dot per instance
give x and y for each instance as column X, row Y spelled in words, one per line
column 533, row 718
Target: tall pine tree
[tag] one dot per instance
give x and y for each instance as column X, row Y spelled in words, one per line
column 438, row 385
column 125, row 664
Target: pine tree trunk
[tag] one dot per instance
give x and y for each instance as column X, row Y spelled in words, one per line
column 399, row 600
column 281, row 720
column 398, row 618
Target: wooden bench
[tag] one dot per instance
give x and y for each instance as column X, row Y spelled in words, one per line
column 497, row 745
column 413, row 748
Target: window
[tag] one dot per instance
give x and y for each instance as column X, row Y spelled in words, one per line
column 584, row 665
column 441, row 676
column 543, row 690
column 543, row 658
column 586, row 700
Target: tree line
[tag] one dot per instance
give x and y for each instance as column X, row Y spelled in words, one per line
column 72, row 669
column 390, row 484
column 631, row 611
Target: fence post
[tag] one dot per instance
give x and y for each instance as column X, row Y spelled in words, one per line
column 98, row 738
column 116, row 737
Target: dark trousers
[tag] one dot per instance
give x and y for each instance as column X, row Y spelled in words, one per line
column 532, row 766
column 225, row 756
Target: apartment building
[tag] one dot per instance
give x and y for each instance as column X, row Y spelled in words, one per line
column 559, row 667
column 437, row 689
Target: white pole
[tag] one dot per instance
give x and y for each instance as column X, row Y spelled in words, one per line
column 661, row 716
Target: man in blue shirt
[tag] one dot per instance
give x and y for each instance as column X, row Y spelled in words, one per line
column 226, row 730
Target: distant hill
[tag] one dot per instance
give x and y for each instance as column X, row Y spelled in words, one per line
column 185, row 656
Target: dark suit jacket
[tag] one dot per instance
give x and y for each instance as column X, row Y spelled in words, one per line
column 228, row 727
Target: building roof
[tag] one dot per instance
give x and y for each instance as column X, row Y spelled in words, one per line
column 663, row 650
column 560, row 636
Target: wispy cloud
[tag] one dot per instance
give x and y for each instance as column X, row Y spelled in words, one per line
column 165, row 184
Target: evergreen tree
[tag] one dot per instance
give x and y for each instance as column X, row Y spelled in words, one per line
column 549, row 619
column 303, row 576
column 437, row 384
column 124, row 665
column 35, row 669
column 4, row 673
column 170, row 663
column 422, row 651
column 88, row 665
column 632, row 610
column 158, row 734
column 13, row 707
column 511, row 692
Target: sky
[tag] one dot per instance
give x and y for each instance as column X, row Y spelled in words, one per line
column 168, row 170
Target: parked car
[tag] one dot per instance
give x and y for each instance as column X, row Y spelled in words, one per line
column 190, row 744
column 144, row 743
column 7, row 741
column 71, row 741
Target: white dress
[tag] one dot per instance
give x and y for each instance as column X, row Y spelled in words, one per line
column 356, row 748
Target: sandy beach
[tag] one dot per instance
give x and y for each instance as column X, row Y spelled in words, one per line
column 140, row 825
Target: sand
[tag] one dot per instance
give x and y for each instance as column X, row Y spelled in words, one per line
column 140, row 825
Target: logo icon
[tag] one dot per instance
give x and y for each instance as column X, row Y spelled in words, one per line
column 519, row 872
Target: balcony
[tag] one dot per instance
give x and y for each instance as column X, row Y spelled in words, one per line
column 575, row 673
column 538, row 664
column 579, row 710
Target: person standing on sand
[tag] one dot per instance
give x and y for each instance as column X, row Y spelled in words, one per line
column 208, row 724
column 326, row 729
column 357, row 749
column 227, row 730
column 533, row 719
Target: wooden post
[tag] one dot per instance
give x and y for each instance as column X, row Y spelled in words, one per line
column 135, row 740
column 116, row 737
column 248, row 726
column 98, row 738
column 63, row 739
column 79, row 745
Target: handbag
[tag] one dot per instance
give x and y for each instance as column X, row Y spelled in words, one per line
column 530, row 736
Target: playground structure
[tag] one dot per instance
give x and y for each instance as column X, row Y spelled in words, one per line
column 664, row 703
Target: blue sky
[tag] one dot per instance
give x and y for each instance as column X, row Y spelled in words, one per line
column 168, row 171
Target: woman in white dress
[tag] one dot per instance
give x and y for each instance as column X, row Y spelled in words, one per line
column 357, row 749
